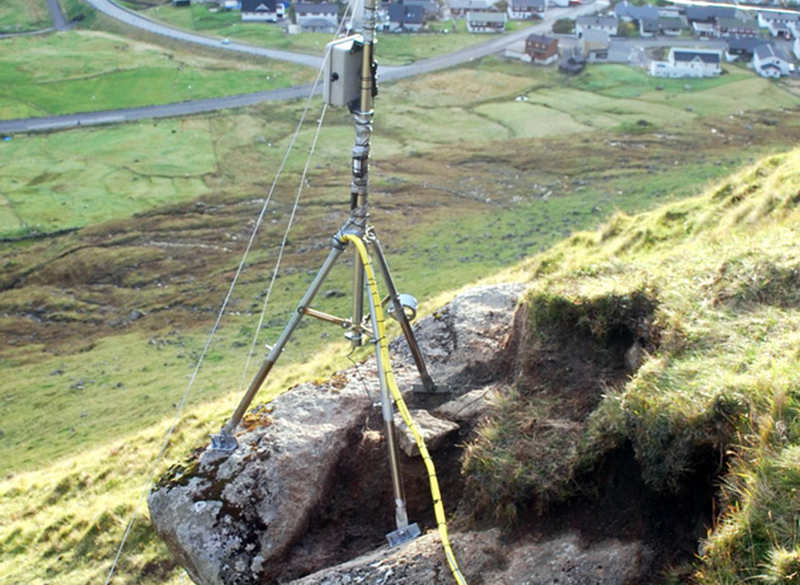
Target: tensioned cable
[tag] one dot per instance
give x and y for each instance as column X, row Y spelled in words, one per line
column 217, row 322
column 289, row 225
column 283, row 247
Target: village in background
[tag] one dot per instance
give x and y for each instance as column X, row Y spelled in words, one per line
column 668, row 40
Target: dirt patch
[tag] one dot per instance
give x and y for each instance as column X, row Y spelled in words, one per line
column 358, row 508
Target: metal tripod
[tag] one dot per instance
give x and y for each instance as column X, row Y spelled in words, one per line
column 401, row 307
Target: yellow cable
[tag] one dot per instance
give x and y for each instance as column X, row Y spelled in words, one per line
column 438, row 507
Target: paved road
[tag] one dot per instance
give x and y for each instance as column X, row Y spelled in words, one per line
column 148, row 112
column 491, row 46
column 59, row 22
column 132, row 18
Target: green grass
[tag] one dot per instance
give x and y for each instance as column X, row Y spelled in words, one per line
column 709, row 286
column 51, row 75
column 110, row 173
column 23, row 15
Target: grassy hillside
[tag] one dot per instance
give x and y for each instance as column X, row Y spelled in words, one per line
column 711, row 283
column 709, row 291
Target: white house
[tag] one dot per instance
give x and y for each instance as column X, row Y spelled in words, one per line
column 486, row 22
column 460, row 8
column 689, row 63
column 767, row 17
column 262, row 10
column 606, row 24
column 525, row 9
column 594, row 45
column 771, row 61
column 305, row 12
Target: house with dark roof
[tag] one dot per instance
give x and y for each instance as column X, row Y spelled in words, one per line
column 767, row 17
column 709, row 14
column 525, row 9
column 262, row 10
column 628, row 12
column 541, row 49
column 607, row 24
column 429, row 7
column 648, row 27
column 742, row 48
column 771, row 61
column 683, row 62
column 486, row 22
column 594, row 45
column 670, row 25
column 704, row 20
column 404, row 18
column 779, row 24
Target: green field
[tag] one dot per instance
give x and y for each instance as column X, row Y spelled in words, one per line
column 128, row 177
column 110, row 174
column 49, row 75
column 23, row 15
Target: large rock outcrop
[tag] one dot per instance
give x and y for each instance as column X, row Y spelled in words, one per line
column 265, row 513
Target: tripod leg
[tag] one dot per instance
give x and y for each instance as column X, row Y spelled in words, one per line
column 404, row 531
column 225, row 440
column 427, row 382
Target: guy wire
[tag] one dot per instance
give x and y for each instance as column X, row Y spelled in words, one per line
column 215, row 327
column 290, row 224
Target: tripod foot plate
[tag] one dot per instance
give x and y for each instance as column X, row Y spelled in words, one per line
column 402, row 535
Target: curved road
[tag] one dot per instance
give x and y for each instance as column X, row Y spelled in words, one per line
column 132, row 18
column 195, row 107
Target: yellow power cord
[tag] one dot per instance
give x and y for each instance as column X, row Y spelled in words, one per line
column 438, row 507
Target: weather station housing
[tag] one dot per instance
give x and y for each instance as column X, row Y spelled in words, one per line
column 343, row 71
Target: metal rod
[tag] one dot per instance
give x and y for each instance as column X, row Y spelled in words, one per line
column 400, row 314
column 277, row 349
column 359, row 188
column 387, row 409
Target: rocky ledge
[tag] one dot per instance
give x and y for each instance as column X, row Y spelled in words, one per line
column 306, row 498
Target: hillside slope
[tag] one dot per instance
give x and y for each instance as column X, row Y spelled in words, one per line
column 699, row 298
column 645, row 410
column 703, row 298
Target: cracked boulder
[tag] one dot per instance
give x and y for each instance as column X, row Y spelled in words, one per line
column 308, row 487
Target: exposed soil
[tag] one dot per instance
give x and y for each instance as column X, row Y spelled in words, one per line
column 359, row 503
column 609, row 503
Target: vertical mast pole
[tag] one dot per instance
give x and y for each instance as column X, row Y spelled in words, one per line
column 359, row 186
